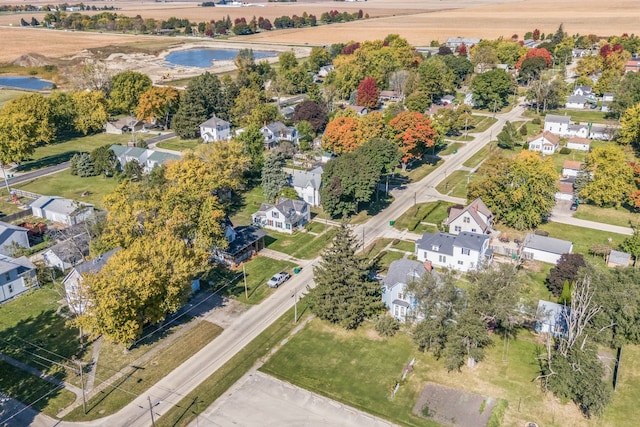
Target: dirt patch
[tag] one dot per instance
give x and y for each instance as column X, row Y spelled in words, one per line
column 453, row 407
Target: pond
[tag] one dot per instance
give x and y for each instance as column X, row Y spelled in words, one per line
column 31, row 83
column 204, row 58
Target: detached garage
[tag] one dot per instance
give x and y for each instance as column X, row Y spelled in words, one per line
column 59, row 209
column 545, row 249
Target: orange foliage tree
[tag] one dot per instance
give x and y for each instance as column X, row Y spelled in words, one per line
column 414, row 133
column 531, row 53
column 341, row 135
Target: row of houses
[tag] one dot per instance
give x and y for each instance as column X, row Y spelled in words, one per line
column 216, row 129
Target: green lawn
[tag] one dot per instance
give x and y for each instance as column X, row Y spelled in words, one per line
column 316, row 227
column 245, row 205
column 72, row 186
column 404, row 245
column 583, row 238
column 299, row 244
column 450, row 148
column 482, row 123
column 8, row 94
column 419, row 170
column 177, row 144
column 431, row 212
column 455, row 184
column 559, row 159
column 259, row 270
column 583, row 116
column 479, row 157
column 60, row 152
column 615, row 216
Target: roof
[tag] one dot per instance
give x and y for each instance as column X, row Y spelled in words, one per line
column 548, row 136
column 554, row 118
column 448, row 98
column 403, row 271
column 578, row 140
column 576, row 99
column 608, row 94
column 6, row 227
column 390, row 94
column 466, row 40
column 215, row 122
column 291, row 209
column 245, row 236
column 619, row 258
column 565, row 187
column 58, row 204
column 552, row 313
column 445, row 242
column 357, row 108
column 475, row 207
column 586, row 89
column 305, row 178
column 161, row 156
column 547, row 244
column 276, row 127
column 96, row 264
column 21, row 264
column 72, row 250
column 572, row 164
column 125, row 121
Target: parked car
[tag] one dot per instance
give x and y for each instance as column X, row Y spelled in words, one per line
column 278, row 279
column 574, row 206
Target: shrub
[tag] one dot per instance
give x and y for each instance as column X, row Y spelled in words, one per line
column 387, row 326
column 541, row 233
column 395, row 242
column 498, row 413
column 536, row 121
column 565, row 150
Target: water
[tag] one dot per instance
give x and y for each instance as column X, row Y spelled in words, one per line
column 31, row 83
column 204, row 58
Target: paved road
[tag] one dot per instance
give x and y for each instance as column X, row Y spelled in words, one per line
column 562, row 215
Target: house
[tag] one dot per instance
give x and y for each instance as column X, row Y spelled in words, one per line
column 545, row 249
column 12, row 237
column 17, row 275
column 59, row 209
column 307, row 185
column 468, row 100
column 551, row 318
column 578, row 131
column 215, row 129
column 390, row 96
column 576, row 102
column 605, row 107
column 455, row 42
column 577, row 143
column 74, row 280
column 632, row 65
column 463, row 252
column 286, row 216
column 546, row 143
column 571, row 168
column 325, row 70
column 565, row 191
column 359, row 110
column 601, row 132
column 288, row 111
column 447, row 100
column 618, row 259
column 68, row 253
column 475, row 218
column 243, row 242
column 277, row 131
column 557, row 124
column 531, row 43
column 146, row 158
column 398, row 301
column 580, row 53
column 585, row 91
column 123, row 125
column 607, row 97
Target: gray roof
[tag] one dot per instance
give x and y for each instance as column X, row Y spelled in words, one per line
column 291, row 209
column 161, row 156
column 547, row 244
column 473, row 208
column 620, row 258
column 72, row 250
column 21, row 264
column 7, row 229
column 445, row 242
column 304, row 178
column 118, row 149
column 215, row 122
column 403, row 271
column 58, row 204
column 277, row 127
column 554, row 118
column 552, row 313
column 576, row 99
column 96, row 264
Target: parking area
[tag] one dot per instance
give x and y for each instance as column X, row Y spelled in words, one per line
column 260, row 400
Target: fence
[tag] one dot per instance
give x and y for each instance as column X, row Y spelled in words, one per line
column 17, row 215
column 27, row 194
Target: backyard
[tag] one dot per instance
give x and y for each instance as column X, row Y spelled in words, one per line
column 302, row 245
column 424, row 217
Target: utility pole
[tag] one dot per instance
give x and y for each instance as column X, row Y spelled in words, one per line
column 153, row 422
column 84, row 398
column 244, row 274
column 295, row 306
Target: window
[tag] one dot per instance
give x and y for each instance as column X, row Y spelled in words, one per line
column 434, row 248
column 458, row 228
column 442, row 259
column 465, row 251
column 270, row 222
column 310, row 199
column 288, row 226
column 460, row 262
column 10, row 288
column 424, row 254
column 473, row 230
column 396, row 310
column 7, row 276
column 400, row 295
column 274, row 214
column 466, row 220
column 278, row 225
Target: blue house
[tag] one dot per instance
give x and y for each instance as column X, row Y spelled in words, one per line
column 394, row 295
column 551, row 318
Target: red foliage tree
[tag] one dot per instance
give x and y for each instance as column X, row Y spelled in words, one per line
column 368, row 93
column 605, row 50
column 536, row 34
column 350, row 48
column 532, row 53
column 414, row 133
column 462, row 49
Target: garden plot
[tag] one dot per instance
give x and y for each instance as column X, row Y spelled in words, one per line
column 453, row 407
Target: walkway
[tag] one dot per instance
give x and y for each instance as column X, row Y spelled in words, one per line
column 562, row 215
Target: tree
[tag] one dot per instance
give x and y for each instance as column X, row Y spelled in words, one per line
column 274, row 178
column 460, row 66
column 311, row 112
column 126, row 88
column 509, row 52
column 436, row 78
column 413, row 133
column 519, row 191
column 227, row 162
column 287, row 61
column 319, row 57
column 483, row 57
column 418, row 101
column 534, row 53
column 158, row 105
column 132, row 171
column 630, row 126
column 252, row 141
column 627, row 94
column 244, row 104
column 612, row 177
column 91, row 111
column 204, row 97
column 508, row 136
column 340, row 135
column 344, row 293
column 558, row 36
column 306, row 133
column 547, row 92
column 531, row 68
column 631, row 244
column 82, row 166
column 565, row 270
column 104, row 161
column 468, row 340
column 491, row 89
column 368, row 93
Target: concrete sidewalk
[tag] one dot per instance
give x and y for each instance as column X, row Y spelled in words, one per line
column 565, row 216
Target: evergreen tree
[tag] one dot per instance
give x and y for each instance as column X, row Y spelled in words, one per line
column 82, row 165
column 104, row 160
column 273, row 176
column 344, row 292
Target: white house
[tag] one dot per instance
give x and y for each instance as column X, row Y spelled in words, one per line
column 608, row 97
column 551, row 318
column 286, row 216
column 68, row 253
column 17, row 275
column 577, row 143
column 546, row 143
column 307, row 185
column 398, row 301
column 463, row 252
column 570, row 168
column 447, row 99
column 585, row 91
column 390, row 96
column 277, row 131
column 59, row 209
column 578, row 131
column 565, row 191
column 76, row 298
column 215, row 129
column 545, row 249
column 576, row 102
column 557, row 124
column 455, row 42
column 12, row 236
column 146, row 158
column 602, row 132
column 475, row 218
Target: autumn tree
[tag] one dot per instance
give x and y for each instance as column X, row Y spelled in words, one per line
column 340, row 135
column 126, row 88
column 536, row 52
column 566, row 269
column 91, row 111
column 158, row 104
column 630, row 126
column 227, row 162
column 414, row 134
column 483, row 56
column 311, row 112
column 344, row 293
column 612, row 177
column 436, row 78
column 368, row 93
column 252, row 141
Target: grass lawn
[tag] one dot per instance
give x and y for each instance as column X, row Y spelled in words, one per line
column 559, row 159
column 479, row 157
column 420, row 170
column 316, row 227
column 60, row 152
column 431, row 212
column 259, row 270
column 299, row 244
column 583, row 238
column 404, row 245
column 455, row 184
column 213, row 387
column 177, row 144
column 625, row 399
column 615, row 216
column 482, row 123
column 7, row 95
column 72, row 186
column 450, row 148
column 583, row 116
column 112, row 399
column 374, row 248
column 245, row 205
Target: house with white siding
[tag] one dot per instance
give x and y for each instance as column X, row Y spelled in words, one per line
column 545, row 249
column 475, row 218
column 73, row 282
column 545, row 143
column 463, row 252
column 307, row 185
column 286, row 216
column 551, row 318
column 17, row 275
column 215, row 129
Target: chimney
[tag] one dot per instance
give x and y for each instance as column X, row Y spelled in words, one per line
column 475, row 207
column 428, row 266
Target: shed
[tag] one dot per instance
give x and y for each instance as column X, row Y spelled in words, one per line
column 618, row 259
column 551, row 318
